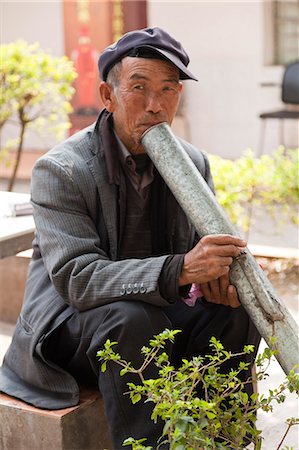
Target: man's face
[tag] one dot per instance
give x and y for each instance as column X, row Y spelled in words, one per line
column 148, row 93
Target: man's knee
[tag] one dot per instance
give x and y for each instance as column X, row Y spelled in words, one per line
column 136, row 318
column 131, row 325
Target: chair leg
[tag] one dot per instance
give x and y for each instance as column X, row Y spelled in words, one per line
column 281, row 131
column 260, row 149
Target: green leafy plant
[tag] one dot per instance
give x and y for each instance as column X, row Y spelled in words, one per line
column 35, row 90
column 224, row 417
column 267, row 182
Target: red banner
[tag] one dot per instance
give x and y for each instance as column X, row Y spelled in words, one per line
column 89, row 26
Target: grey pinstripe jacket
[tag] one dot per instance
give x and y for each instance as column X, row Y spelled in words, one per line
column 75, row 264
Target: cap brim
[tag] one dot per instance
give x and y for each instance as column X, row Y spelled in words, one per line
column 185, row 74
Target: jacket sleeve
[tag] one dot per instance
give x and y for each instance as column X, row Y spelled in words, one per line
column 72, row 248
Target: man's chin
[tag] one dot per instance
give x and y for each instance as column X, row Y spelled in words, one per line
column 137, row 150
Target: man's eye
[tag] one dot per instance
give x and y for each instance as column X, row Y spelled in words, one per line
column 169, row 89
column 138, row 87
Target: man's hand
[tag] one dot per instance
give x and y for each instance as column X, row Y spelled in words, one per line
column 220, row 291
column 210, row 258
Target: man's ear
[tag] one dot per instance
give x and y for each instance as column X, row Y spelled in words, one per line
column 106, row 94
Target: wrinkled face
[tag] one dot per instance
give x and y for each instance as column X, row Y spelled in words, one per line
column 148, row 93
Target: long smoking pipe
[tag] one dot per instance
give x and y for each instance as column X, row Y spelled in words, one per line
column 267, row 311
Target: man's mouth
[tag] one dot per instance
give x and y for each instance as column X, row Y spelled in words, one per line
column 151, row 123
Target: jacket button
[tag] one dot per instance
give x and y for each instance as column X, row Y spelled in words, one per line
column 142, row 289
column 135, row 288
column 129, row 289
column 123, row 290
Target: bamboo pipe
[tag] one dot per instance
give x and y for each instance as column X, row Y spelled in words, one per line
column 255, row 291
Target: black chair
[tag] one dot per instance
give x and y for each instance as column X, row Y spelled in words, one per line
column 289, row 95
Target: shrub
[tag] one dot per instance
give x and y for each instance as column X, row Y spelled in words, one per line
column 224, row 418
column 268, row 181
column 36, row 88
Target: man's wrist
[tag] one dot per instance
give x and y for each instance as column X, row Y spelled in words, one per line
column 182, row 281
column 169, row 279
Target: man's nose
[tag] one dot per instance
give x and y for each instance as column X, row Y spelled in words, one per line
column 153, row 103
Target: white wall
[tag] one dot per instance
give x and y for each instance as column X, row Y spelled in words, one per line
column 225, row 42
column 33, row 21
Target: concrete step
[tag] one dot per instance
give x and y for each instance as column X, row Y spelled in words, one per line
column 6, row 332
column 13, row 274
column 23, row 427
column 268, row 251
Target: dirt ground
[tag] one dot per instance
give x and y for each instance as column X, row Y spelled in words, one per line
column 284, row 276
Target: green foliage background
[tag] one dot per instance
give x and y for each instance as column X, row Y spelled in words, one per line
column 35, row 92
column 36, row 84
column 270, row 182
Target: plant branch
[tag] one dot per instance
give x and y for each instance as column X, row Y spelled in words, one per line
column 290, row 424
column 18, row 157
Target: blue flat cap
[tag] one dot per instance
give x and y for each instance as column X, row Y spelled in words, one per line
column 146, row 43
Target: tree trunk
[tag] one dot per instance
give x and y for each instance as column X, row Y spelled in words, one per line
column 18, row 157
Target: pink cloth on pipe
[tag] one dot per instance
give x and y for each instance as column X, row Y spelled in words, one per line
column 193, row 295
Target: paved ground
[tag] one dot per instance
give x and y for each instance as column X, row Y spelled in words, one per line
column 273, row 424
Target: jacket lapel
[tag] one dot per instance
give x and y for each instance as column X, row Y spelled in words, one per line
column 108, row 192
column 173, row 227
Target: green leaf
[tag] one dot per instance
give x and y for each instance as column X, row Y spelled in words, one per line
column 135, row 398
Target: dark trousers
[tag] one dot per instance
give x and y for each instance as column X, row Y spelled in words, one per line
column 132, row 324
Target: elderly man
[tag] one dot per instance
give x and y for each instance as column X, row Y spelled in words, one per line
column 114, row 254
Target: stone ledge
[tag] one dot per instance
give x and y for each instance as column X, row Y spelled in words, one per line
column 268, row 251
column 24, row 427
column 13, row 274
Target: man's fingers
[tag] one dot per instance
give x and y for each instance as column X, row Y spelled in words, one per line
column 206, row 291
column 223, row 285
column 211, row 291
column 210, row 258
column 226, row 250
column 221, row 245
column 232, row 296
column 224, row 239
column 225, row 261
column 220, row 291
column 215, row 290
